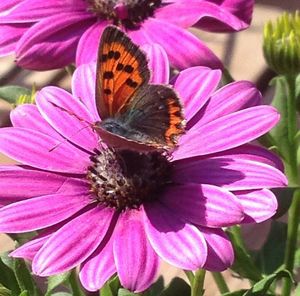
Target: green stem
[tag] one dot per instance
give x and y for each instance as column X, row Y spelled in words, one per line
column 291, row 163
column 220, row 281
column 74, row 284
column 197, row 287
column 190, row 276
column 291, row 244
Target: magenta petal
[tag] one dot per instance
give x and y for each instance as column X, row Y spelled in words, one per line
column 83, row 88
column 228, row 99
column 230, row 172
column 50, row 43
column 16, row 183
column 73, row 243
column 89, row 42
column 29, row 250
column 8, row 4
column 136, row 261
column 259, row 205
column 178, row 243
column 195, row 85
column 220, row 252
column 188, row 13
column 227, row 132
column 98, row 268
column 42, row 151
column 35, row 10
column 171, row 38
column 40, row 212
column 28, row 116
column 68, row 116
column 10, row 35
column 158, row 63
column 221, row 20
column 204, row 205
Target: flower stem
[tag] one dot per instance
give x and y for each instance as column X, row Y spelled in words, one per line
column 74, row 285
column 190, row 276
column 291, row 163
column 291, row 244
column 220, row 281
column 197, row 287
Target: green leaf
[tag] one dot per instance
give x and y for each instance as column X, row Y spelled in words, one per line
column 24, row 293
column 12, row 93
column 261, row 287
column 24, row 277
column 7, row 276
column 124, row 292
column 61, row 294
column 156, row 288
column 243, row 264
column 55, row 281
column 271, row 256
column 111, row 287
column 4, row 291
column 297, row 292
column 177, row 287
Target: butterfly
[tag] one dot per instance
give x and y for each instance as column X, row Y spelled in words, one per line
column 135, row 114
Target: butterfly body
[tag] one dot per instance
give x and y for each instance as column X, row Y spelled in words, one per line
column 134, row 114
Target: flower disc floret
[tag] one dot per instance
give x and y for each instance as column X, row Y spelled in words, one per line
column 125, row 179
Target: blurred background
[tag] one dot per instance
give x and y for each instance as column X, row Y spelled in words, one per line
column 242, row 55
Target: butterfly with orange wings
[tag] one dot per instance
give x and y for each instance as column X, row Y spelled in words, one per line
column 134, row 114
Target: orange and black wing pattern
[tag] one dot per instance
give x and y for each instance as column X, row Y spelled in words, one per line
column 122, row 68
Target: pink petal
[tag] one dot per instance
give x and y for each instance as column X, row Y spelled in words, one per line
column 73, row 243
column 40, row 212
column 28, row 116
column 136, row 261
column 220, row 252
column 171, row 38
column 195, row 85
column 29, row 249
column 241, row 9
column 203, row 204
column 230, row 172
column 89, row 42
column 41, row 151
column 16, row 183
column 158, row 63
column 172, row 239
column 68, row 116
column 35, row 10
column 211, row 16
column 140, row 37
column 51, row 43
column 98, row 268
column 8, row 4
column 259, row 205
column 228, row 99
column 227, row 132
column 10, row 35
column 84, row 86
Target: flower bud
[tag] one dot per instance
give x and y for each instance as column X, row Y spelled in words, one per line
column 282, row 44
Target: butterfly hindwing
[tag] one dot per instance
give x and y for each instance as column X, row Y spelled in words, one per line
column 154, row 117
column 121, row 70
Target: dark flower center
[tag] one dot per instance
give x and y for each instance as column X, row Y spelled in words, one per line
column 125, row 179
column 128, row 13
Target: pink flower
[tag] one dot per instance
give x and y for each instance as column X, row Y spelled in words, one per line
column 212, row 180
column 52, row 34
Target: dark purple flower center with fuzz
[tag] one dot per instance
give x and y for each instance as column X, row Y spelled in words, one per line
column 126, row 179
column 127, row 13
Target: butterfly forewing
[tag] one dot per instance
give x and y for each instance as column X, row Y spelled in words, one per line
column 121, row 70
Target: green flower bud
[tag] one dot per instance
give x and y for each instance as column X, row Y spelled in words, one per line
column 27, row 98
column 282, row 44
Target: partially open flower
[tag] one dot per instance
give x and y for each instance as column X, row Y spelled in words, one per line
column 54, row 33
column 123, row 211
column 282, row 44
